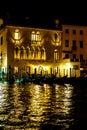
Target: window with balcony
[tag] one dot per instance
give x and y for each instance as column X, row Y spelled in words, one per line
column 35, row 37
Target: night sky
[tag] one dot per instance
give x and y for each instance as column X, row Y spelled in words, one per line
column 44, row 12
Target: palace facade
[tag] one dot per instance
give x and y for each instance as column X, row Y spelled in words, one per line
column 31, row 51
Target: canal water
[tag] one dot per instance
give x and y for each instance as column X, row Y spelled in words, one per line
column 43, row 106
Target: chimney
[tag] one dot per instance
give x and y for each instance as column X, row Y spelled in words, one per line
column 56, row 23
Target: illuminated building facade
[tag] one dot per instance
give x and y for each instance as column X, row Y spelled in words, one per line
column 29, row 50
column 74, row 45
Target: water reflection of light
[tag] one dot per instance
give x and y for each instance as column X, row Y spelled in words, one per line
column 3, row 101
column 3, row 95
column 63, row 104
column 40, row 104
column 36, row 104
column 17, row 107
column 47, row 92
column 16, row 95
column 63, row 99
column 33, row 105
column 68, row 97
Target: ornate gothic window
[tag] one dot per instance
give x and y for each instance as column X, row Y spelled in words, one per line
column 43, row 54
column 22, row 53
column 17, row 53
column 35, row 37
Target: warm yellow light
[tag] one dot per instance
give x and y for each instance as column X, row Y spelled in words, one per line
column 35, row 67
column 40, row 66
column 68, row 65
column 0, row 57
column 16, row 34
column 45, row 68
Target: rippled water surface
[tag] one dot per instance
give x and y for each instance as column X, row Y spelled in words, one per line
column 40, row 107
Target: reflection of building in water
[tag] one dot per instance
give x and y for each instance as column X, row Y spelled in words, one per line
column 30, row 50
column 63, row 99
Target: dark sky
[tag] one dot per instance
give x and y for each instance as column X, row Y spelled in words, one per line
column 44, row 11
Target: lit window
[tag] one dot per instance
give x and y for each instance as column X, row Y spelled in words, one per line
column 0, row 55
column 15, row 69
column 57, row 39
column 43, row 54
column 56, row 55
column 35, row 36
column 16, row 34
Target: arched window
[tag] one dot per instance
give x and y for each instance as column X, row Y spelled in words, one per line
column 35, row 53
column 32, row 52
column 38, row 36
column 27, row 52
column 43, row 54
column 16, row 52
column 55, row 37
column 35, row 37
column 22, row 53
column 56, row 55
column 39, row 54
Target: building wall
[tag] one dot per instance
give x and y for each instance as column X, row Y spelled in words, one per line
column 3, row 51
column 40, row 52
column 79, row 35
column 37, row 51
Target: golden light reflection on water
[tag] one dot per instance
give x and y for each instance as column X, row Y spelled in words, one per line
column 3, row 101
column 63, row 99
column 34, row 105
